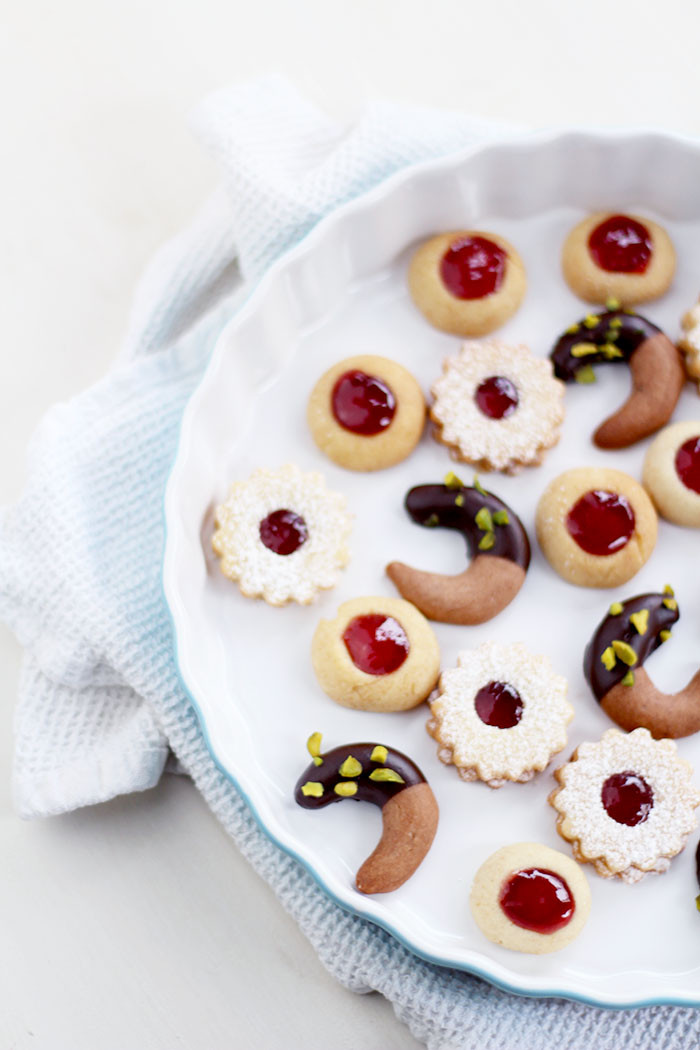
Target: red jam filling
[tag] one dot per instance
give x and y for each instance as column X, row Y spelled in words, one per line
column 497, row 397
column 627, row 798
column 499, row 704
column 283, row 531
column 621, row 245
column 537, row 899
column 601, row 522
column 377, row 644
column 363, row 404
column 688, row 464
column 473, row 267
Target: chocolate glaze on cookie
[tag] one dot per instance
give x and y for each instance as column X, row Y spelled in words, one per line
column 617, row 626
column 448, row 507
column 378, row 792
column 655, row 365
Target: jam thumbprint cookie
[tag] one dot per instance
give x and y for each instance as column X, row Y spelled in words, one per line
column 495, row 538
column 366, row 413
column 388, row 779
column 689, row 342
column 623, row 256
column 378, row 654
column 596, row 526
column 656, row 370
column 282, row 535
column 530, row 898
column 671, row 473
column 613, row 666
column 467, row 282
column 497, row 406
column 500, row 714
column 626, row 804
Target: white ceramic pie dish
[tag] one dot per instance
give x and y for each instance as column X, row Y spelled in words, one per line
column 246, row 666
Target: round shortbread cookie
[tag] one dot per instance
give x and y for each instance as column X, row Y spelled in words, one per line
column 673, row 455
column 605, row 509
column 652, row 256
column 376, row 633
column 457, row 314
column 382, row 407
column 526, row 860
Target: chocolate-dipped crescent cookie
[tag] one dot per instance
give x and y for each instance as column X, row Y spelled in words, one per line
column 496, row 540
column 613, row 661
column 656, row 368
column 388, row 779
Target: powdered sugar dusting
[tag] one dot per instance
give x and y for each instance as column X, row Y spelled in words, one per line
column 616, row 849
column 487, row 752
column 498, row 444
column 260, row 572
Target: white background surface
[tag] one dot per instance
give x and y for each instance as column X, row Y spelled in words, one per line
column 137, row 924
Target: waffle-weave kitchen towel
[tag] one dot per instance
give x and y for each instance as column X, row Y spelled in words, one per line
column 101, row 705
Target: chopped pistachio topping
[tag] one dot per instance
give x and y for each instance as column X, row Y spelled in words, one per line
column 386, row 774
column 612, row 333
column 671, row 603
column 590, row 320
column 350, row 767
column 313, row 745
column 668, row 589
column 484, row 520
column 478, row 486
column 583, row 349
column 585, row 374
column 611, row 303
column 487, row 541
column 313, row 788
column 459, row 500
column 628, row 679
column 573, row 329
column 640, row 621
column 616, row 608
column 625, row 652
column 452, row 481
column 608, row 658
column 664, row 635
column 615, row 322
column 432, row 521
column 500, row 517
column 379, row 753
column 697, row 902
column 611, row 351
column 346, row 789
column 318, row 761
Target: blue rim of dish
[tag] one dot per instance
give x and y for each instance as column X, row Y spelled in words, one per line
column 387, row 185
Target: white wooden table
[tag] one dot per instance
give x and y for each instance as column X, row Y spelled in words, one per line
column 137, row 924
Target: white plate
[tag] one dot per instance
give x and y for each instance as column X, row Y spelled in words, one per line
column 246, row 665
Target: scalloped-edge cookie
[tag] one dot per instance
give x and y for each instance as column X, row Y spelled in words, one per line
column 500, row 714
column 626, row 804
column 497, row 406
column 282, row 535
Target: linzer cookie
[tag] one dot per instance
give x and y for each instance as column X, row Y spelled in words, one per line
column 496, row 541
column 500, row 714
column 530, row 898
column 282, row 535
column 671, row 473
column 388, row 779
column 497, row 406
column 613, row 665
column 626, row 804
column 624, row 256
column 596, row 526
column 366, row 413
column 467, row 282
column 377, row 654
column 689, row 342
column 656, row 369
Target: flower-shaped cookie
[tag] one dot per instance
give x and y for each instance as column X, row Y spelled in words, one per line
column 498, row 406
column 626, row 804
column 282, row 535
column 500, row 714
column 689, row 342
